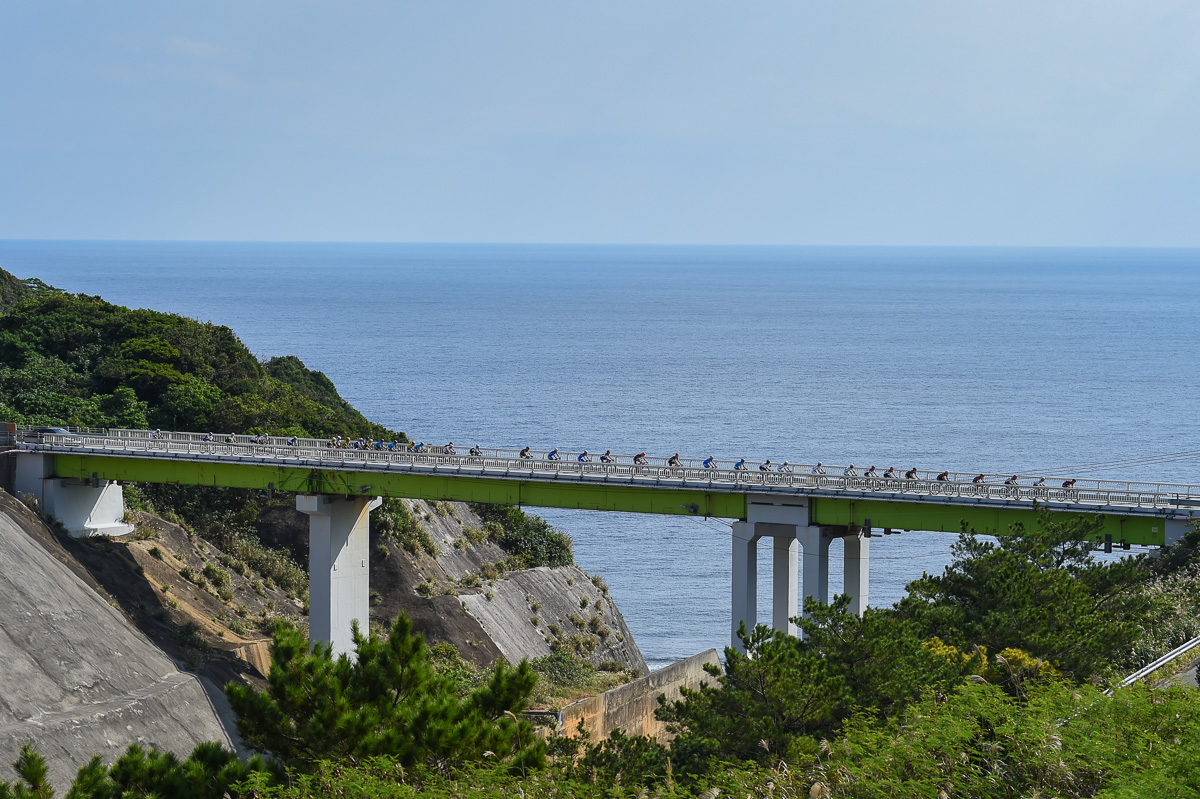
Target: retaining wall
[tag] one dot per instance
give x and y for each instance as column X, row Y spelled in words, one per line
column 630, row 707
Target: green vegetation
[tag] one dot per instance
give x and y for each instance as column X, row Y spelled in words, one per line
column 388, row 701
column 77, row 360
column 210, row 772
column 901, row 702
column 394, row 520
column 530, row 540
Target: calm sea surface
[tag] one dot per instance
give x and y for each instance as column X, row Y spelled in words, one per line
column 1005, row 360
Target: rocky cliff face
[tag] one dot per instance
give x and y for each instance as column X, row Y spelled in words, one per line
column 461, row 593
column 75, row 677
column 530, row 612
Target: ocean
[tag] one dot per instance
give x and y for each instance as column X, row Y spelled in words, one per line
column 975, row 359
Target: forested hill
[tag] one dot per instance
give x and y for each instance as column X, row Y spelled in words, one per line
column 71, row 359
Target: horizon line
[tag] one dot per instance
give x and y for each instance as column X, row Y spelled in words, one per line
column 607, row 244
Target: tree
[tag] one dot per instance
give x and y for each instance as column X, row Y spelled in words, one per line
column 388, row 701
column 771, row 701
column 1038, row 590
column 34, row 782
column 210, row 772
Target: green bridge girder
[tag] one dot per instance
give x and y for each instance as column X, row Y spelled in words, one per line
column 825, row 511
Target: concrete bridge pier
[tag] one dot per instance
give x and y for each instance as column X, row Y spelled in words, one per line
column 856, row 558
column 338, row 567
column 84, row 507
column 790, row 530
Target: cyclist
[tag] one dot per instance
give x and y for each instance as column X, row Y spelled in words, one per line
column 870, row 472
column 710, row 462
column 584, row 457
column 740, row 465
column 449, row 449
column 208, row 437
column 890, row 474
column 785, row 467
column 818, row 469
column 292, row 441
column 911, row 474
column 640, row 458
column 525, row 454
column 553, row 455
column 1012, row 481
column 476, row 451
column 978, row 480
column 944, row 477
column 608, row 457
column 850, row 471
column 673, row 460
column 766, row 466
column 1068, row 484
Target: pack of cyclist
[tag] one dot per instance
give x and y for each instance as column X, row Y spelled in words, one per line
column 675, row 462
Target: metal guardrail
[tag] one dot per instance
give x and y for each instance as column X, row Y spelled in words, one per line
column 690, row 472
column 1147, row 670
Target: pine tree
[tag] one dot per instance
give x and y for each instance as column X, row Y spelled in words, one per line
column 387, row 701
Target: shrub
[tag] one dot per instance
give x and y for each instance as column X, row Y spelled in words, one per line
column 192, row 576
column 216, row 575
column 564, row 668
column 529, row 539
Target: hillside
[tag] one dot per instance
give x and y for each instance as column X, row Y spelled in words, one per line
column 209, row 572
column 79, row 361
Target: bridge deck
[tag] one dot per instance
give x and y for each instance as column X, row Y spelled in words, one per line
column 1135, row 513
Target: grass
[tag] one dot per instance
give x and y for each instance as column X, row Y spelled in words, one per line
column 563, row 678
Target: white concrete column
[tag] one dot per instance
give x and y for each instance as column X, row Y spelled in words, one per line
column 785, row 582
column 338, row 571
column 816, row 562
column 31, row 473
column 744, row 604
column 857, row 560
column 85, row 508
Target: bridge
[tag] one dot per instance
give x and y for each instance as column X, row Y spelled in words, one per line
column 75, row 475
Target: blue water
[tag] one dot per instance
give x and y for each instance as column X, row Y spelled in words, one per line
column 972, row 359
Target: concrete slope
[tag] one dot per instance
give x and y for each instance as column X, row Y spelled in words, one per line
column 527, row 613
column 75, row 678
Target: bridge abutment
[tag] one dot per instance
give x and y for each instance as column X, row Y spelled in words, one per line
column 338, row 567
column 84, row 507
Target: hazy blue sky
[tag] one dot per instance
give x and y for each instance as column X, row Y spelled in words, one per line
column 802, row 121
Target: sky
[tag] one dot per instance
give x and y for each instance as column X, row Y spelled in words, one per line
column 870, row 122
